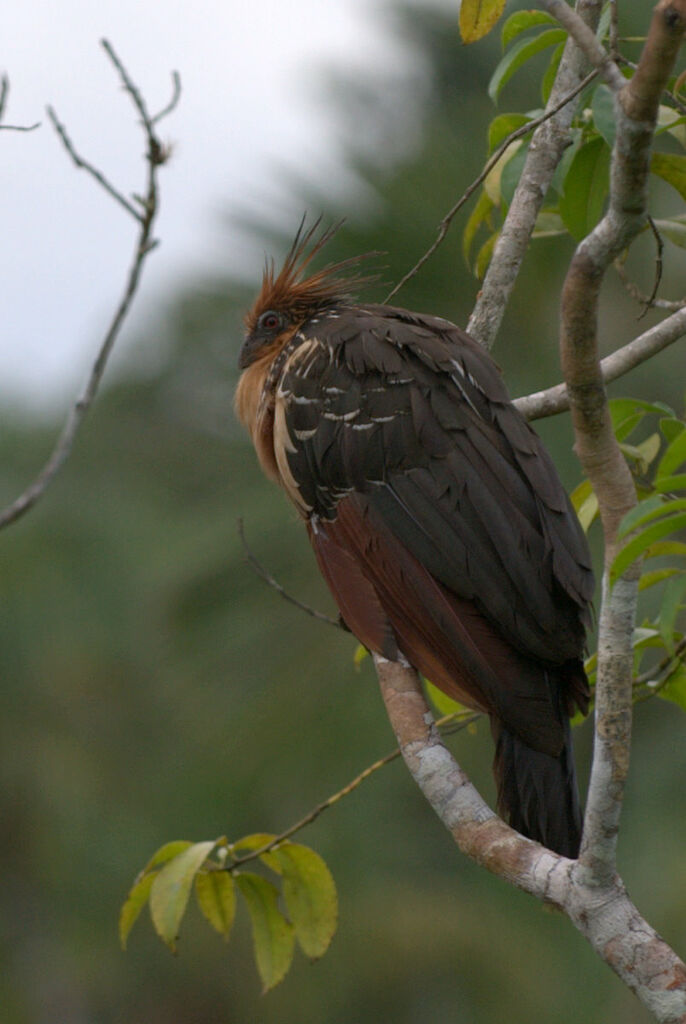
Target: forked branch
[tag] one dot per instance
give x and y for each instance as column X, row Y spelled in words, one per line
column 145, row 213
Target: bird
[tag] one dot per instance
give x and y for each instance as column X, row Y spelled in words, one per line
column 436, row 515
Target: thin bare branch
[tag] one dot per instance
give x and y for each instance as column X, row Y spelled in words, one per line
column 555, row 399
column 86, row 166
column 457, row 721
column 176, row 95
column 518, row 133
column 547, row 147
column 265, row 575
column 650, row 301
column 4, row 93
column 645, row 300
column 144, row 245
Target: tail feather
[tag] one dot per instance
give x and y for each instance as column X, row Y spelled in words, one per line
column 538, row 793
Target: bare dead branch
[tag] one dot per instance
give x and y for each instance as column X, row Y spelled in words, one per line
column 650, row 301
column 144, row 245
column 545, row 152
column 4, row 93
column 86, row 166
column 555, row 399
column 265, row 575
column 518, row 133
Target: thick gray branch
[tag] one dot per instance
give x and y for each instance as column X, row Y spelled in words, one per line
column 605, row 915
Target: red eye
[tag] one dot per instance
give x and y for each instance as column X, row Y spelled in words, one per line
column 270, row 320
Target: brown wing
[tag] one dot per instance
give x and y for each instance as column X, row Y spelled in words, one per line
column 443, row 531
column 413, row 415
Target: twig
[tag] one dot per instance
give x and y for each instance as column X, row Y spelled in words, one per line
column 614, row 30
column 658, row 266
column 518, row 133
column 463, row 719
column 556, row 399
column 265, row 575
column 86, row 166
column 587, row 41
column 4, row 93
column 645, row 300
column 145, row 243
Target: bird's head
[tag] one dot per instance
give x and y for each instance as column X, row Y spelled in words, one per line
column 290, row 297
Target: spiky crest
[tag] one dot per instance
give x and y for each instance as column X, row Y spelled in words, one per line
column 291, row 292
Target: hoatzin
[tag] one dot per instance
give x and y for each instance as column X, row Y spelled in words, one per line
column 435, row 513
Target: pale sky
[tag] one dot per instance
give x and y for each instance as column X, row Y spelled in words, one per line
column 246, row 69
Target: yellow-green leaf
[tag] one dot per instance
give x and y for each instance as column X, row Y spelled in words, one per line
column 135, row 901
column 477, row 18
column 255, row 841
column 167, row 852
column 649, row 579
column 309, row 892
column 675, row 688
column 638, row 545
column 483, row 257
column 479, row 214
column 671, row 167
column 521, row 21
column 444, row 704
column 519, row 54
column 171, row 889
column 273, row 936
column 215, row 892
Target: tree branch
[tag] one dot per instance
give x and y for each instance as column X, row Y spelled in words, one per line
column 555, row 399
column 636, row 107
column 605, row 916
column 155, row 157
column 545, row 152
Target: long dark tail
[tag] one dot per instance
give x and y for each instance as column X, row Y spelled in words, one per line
column 538, row 793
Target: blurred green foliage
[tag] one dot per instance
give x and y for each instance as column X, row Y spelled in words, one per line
column 154, row 688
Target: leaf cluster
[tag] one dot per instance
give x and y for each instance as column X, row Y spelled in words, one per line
column 213, row 868
column 580, row 186
column 652, row 532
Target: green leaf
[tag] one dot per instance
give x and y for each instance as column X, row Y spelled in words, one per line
column 479, row 214
column 585, row 503
column 360, row 654
column 585, row 188
column 309, row 893
column 673, row 456
column 255, row 841
column 167, row 852
column 519, row 54
column 642, row 513
column 670, row 426
column 273, row 936
column 666, row 548
column 623, row 408
column 521, row 21
column 672, row 169
column 135, row 901
column 550, row 73
column 512, row 172
column 675, row 688
column 548, row 223
column 444, row 704
column 677, row 482
column 603, row 109
column 215, row 892
column 477, row 18
column 638, row 545
column 649, row 579
column 674, row 228
column 672, row 599
column 171, row 890
column 483, row 257
column 669, row 121
column 502, row 126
